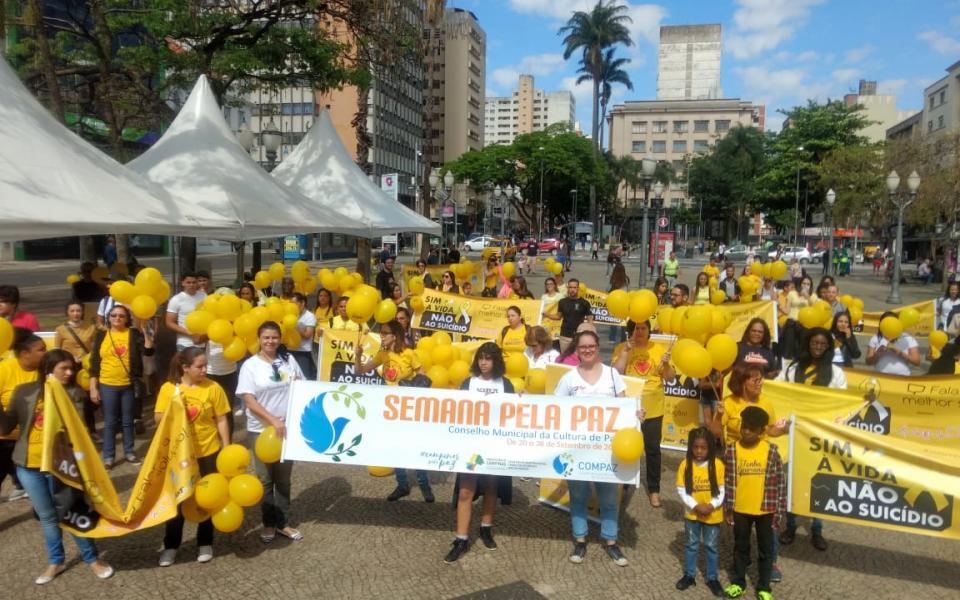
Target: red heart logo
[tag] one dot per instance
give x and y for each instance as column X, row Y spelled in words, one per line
column 390, row 373
column 119, row 350
column 192, row 412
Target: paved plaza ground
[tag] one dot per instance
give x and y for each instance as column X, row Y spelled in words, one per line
column 360, row 546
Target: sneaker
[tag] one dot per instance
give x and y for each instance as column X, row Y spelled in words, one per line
column 427, row 494
column 715, row 587
column 17, row 494
column 788, row 535
column 486, row 536
column 132, row 459
column 102, row 569
column 138, row 427
column 613, row 551
column 764, row 595
column 204, row 554
column 398, row 493
column 579, row 552
column 168, row 557
column 108, row 463
column 685, row 582
column 776, row 575
column 238, row 413
column 733, row 591
column 459, row 548
column 818, row 542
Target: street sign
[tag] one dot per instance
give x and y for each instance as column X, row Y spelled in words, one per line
column 663, row 221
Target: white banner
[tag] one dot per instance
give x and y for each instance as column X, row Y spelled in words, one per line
column 453, row 430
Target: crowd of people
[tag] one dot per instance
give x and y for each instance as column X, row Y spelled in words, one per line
column 717, row 482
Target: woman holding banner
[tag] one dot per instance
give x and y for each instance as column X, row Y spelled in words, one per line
column 513, row 337
column 640, row 357
column 264, row 385
column 400, row 364
column 551, row 294
column 25, row 411
column 593, row 378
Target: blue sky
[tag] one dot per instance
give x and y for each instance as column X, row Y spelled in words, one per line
column 776, row 52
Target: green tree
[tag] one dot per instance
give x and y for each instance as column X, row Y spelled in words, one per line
column 611, row 71
column 856, row 174
column 591, row 33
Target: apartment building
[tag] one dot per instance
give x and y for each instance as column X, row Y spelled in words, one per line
column 527, row 109
column 688, row 62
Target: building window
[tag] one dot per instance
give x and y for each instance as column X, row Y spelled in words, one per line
column 943, row 96
column 940, row 122
column 701, row 146
column 933, row 100
column 929, row 125
column 659, row 146
column 701, row 126
column 638, row 127
column 721, row 126
column 659, row 126
column 638, row 146
column 681, row 126
column 679, row 145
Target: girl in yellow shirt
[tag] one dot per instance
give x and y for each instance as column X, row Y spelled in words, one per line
column 28, row 351
column 514, row 335
column 207, row 408
column 700, row 480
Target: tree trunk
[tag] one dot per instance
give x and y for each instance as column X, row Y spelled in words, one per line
column 188, row 254
column 363, row 258
column 47, row 66
column 596, row 151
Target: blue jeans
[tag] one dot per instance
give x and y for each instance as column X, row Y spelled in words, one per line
column 404, row 481
column 816, row 525
column 711, row 539
column 40, row 487
column 609, row 511
column 119, row 408
column 276, row 479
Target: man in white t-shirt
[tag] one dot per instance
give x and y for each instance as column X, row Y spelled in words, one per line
column 180, row 306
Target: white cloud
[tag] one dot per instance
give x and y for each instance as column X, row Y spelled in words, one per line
column 536, row 65
column 940, row 43
column 762, row 25
column 558, row 9
column 779, row 88
column 845, row 75
column 892, row 86
column 856, row 55
column 807, row 56
column 582, row 92
column 646, row 17
column 491, row 93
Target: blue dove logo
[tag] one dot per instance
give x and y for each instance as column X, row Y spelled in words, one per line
column 563, row 464
column 321, row 433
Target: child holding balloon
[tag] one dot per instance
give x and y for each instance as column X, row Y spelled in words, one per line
column 207, row 408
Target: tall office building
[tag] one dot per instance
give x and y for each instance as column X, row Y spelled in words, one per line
column 688, row 62
column 453, row 86
column 527, row 109
column 880, row 110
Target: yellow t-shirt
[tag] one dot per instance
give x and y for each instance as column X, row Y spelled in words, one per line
column 732, row 407
column 645, row 362
column 35, row 439
column 712, row 271
column 513, row 341
column 702, row 296
column 115, row 359
column 751, row 477
column 339, row 322
column 203, row 403
column 12, row 375
column 398, row 366
column 323, row 321
column 701, row 489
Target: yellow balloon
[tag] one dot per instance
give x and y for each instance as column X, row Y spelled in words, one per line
column 426, row 361
column 292, row 339
column 809, row 317
column 642, row 306
column 909, row 317
column 212, row 492
column 269, row 446
column 246, row 490
column 856, row 314
column 220, row 331
column 380, row 471
column 245, row 326
column 229, row 307
column 556, row 268
column 427, row 344
column 519, row 384
column 779, row 269
column 618, row 304
column 627, row 445
column 341, row 272
column 415, row 285
column 458, row 371
column 891, row 328
column 677, row 320
column 442, row 338
column 161, row 292
column 664, row 315
column 367, row 291
column 509, row 269
column 143, row 307
column 229, row 518
column 123, row 292
column 938, row 339
column 277, row 270
column 260, row 315
column 416, row 304
column 299, row 270
column 348, row 283
column 442, row 355
column 697, row 320
column 438, row 376
column 846, row 300
column 199, row 321
column 288, row 323
column 327, row 280
column 233, row 460
column 192, row 512
column 261, row 280
column 385, row 311
column 717, row 297
column 756, row 268
column 693, row 360
column 517, row 365
column 360, row 308
column 83, row 378
column 235, row 350
column 723, row 351
column 537, row 381
column 146, row 278
column 72, row 278
column 858, row 302
column 719, row 321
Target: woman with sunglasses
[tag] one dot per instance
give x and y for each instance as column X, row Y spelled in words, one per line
column 592, row 378
column 448, row 283
column 264, row 385
column 116, row 362
column 400, row 363
column 25, row 412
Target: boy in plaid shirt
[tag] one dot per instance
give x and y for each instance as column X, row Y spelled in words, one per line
column 755, row 497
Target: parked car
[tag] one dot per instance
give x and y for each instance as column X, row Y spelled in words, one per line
column 790, row 252
column 737, row 253
column 477, row 244
column 545, row 246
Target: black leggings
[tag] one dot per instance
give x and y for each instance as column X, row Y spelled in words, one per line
column 174, row 529
column 652, row 430
column 742, row 526
column 7, row 467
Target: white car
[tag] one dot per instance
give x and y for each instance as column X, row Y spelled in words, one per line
column 477, row 244
column 790, row 252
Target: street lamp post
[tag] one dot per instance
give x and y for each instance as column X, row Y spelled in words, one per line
column 540, row 208
column 245, row 137
column 901, row 201
column 271, row 138
column 648, row 166
column 446, row 196
column 831, row 198
column 657, row 195
column 506, row 193
column 796, row 208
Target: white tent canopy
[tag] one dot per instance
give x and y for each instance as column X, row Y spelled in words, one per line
column 53, row 183
column 199, row 161
column 321, row 168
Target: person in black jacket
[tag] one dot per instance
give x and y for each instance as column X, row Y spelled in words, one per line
column 116, row 364
column 844, row 340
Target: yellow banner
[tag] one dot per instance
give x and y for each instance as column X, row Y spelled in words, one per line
column 337, row 358
column 167, row 477
column 743, row 313
column 470, row 315
column 927, row 323
column 436, row 272
column 844, row 474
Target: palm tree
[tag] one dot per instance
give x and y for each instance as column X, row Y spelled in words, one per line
column 592, row 33
column 610, row 73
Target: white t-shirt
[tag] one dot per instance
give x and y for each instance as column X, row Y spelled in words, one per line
column 887, row 362
column 270, row 388
column 838, row 379
column 945, row 305
column 572, row 384
column 547, row 358
column 486, row 386
column 216, row 363
column 181, row 305
column 307, row 319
